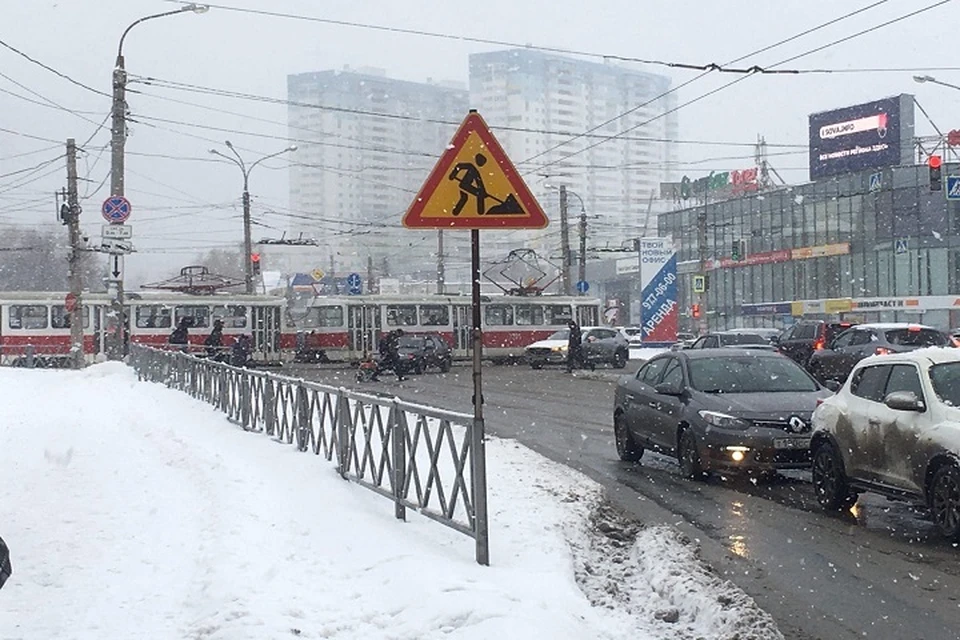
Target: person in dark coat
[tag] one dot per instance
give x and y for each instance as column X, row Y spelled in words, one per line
column 181, row 335
column 389, row 348
column 214, row 341
column 241, row 351
column 5, row 569
column 574, row 347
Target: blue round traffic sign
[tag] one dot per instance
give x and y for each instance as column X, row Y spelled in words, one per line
column 354, row 284
column 583, row 286
column 116, row 209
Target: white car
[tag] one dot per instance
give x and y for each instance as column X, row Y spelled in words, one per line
column 894, row 429
column 600, row 345
column 634, row 336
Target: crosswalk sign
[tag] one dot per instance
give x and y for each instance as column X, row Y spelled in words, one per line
column 876, row 181
column 953, row 187
column 699, row 284
column 474, row 186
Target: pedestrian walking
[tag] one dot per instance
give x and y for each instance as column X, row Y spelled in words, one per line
column 180, row 337
column 214, row 341
column 574, row 347
column 241, row 351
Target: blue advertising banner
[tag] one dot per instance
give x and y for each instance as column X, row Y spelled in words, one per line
column 658, row 277
column 865, row 136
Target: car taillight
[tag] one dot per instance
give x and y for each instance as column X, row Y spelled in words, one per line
column 882, row 351
column 818, row 345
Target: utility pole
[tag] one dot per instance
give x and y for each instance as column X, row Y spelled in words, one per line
column 440, row 267
column 247, row 240
column 74, row 275
column 369, row 274
column 564, row 242
column 333, row 265
column 582, row 271
column 702, row 251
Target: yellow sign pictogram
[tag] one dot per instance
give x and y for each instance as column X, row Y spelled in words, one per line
column 474, row 186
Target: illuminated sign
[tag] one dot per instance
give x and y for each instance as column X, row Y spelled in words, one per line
column 865, row 136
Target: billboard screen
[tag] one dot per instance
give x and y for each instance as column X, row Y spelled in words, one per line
column 659, row 315
column 866, row 136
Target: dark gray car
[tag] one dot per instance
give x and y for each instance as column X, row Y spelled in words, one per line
column 725, row 410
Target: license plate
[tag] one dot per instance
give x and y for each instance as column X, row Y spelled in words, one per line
column 791, row 443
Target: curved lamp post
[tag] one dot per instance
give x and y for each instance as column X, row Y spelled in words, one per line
column 245, row 170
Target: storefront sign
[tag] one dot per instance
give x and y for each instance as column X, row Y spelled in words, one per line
column 880, row 304
column 767, row 309
column 821, row 251
column 658, row 298
column 627, row 265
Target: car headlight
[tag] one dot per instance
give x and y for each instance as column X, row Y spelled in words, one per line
column 723, row 420
column 558, row 349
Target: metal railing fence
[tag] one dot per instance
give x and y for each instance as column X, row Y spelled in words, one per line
column 420, row 457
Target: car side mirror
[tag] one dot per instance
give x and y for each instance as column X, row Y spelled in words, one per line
column 669, row 389
column 832, row 385
column 904, row 401
column 775, row 340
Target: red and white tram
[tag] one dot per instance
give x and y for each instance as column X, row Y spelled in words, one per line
column 39, row 323
column 347, row 328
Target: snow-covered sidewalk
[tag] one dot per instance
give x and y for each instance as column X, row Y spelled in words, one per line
column 133, row 511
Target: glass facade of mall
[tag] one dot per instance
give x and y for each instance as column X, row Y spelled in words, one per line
column 886, row 253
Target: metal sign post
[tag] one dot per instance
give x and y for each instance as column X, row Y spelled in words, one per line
column 115, row 241
column 475, row 186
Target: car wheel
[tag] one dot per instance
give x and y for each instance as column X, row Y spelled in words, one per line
column 945, row 501
column 830, row 480
column 627, row 448
column 536, row 365
column 445, row 365
column 688, row 456
column 619, row 360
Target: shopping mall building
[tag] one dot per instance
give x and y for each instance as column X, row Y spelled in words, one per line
column 867, row 240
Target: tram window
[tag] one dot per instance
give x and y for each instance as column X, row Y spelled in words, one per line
column 198, row 316
column 233, row 316
column 432, row 315
column 324, row 316
column 557, row 314
column 28, row 316
column 60, row 317
column 498, row 315
column 529, row 314
column 402, row 315
column 153, row 316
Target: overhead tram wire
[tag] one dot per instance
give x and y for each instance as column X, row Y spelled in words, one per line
column 779, row 43
column 740, row 79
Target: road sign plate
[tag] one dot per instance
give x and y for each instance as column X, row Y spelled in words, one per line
column 953, row 187
column 117, row 231
column 474, row 186
column 317, row 274
column 876, row 181
column 583, row 286
column 699, row 284
column 354, row 284
column 116, row 209
column 900, row 246
column 116, row 246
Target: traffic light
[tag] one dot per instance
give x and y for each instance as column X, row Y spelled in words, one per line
column 936, row 182
column 695, row 310
column 255, row 259
column 736, row 251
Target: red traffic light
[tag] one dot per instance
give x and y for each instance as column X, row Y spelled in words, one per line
column 935, row 162
column 695, row 310
column 254, row 257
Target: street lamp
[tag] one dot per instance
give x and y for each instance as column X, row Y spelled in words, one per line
column 115, row 339
column 247, row 241
column 932, row 80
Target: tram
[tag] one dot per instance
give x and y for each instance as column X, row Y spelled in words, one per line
column 37, row 324
column 347, row 328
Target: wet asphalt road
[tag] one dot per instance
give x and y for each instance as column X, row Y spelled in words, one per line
column 877, row 572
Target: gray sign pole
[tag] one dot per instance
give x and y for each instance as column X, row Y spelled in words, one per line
column 477, row 433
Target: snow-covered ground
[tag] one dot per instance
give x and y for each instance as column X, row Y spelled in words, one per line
column 133, row 511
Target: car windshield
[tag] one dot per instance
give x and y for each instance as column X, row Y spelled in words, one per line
column 563, row 334
column 946, row 382
column 916, row 337
column 748, row 374
column 410, row 342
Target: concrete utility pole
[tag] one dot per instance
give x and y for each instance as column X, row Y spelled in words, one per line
column 247, row 240
column 369, row 274
column 74, row 275
column 582, row 271
column 440, row 266
column 564, row 242
column 702, row 251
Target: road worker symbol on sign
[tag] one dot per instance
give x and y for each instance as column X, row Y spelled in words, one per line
column 474, row 186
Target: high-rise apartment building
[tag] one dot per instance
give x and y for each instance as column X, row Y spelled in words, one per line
column 356, row 171
column 537, row 104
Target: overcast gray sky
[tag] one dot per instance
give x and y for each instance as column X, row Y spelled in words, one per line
column 186, row 202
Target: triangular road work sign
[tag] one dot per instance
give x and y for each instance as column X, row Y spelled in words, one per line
column 474, row 186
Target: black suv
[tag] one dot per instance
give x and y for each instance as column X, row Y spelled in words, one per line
column 802, row 339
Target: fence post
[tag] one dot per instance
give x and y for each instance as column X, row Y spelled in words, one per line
column 398, row 435
column 478, row 458
column 343, row 433
column 269, row 410
column 303, row 418
column 245, row 400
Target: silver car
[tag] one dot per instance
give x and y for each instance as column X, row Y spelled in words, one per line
column 601, row 345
